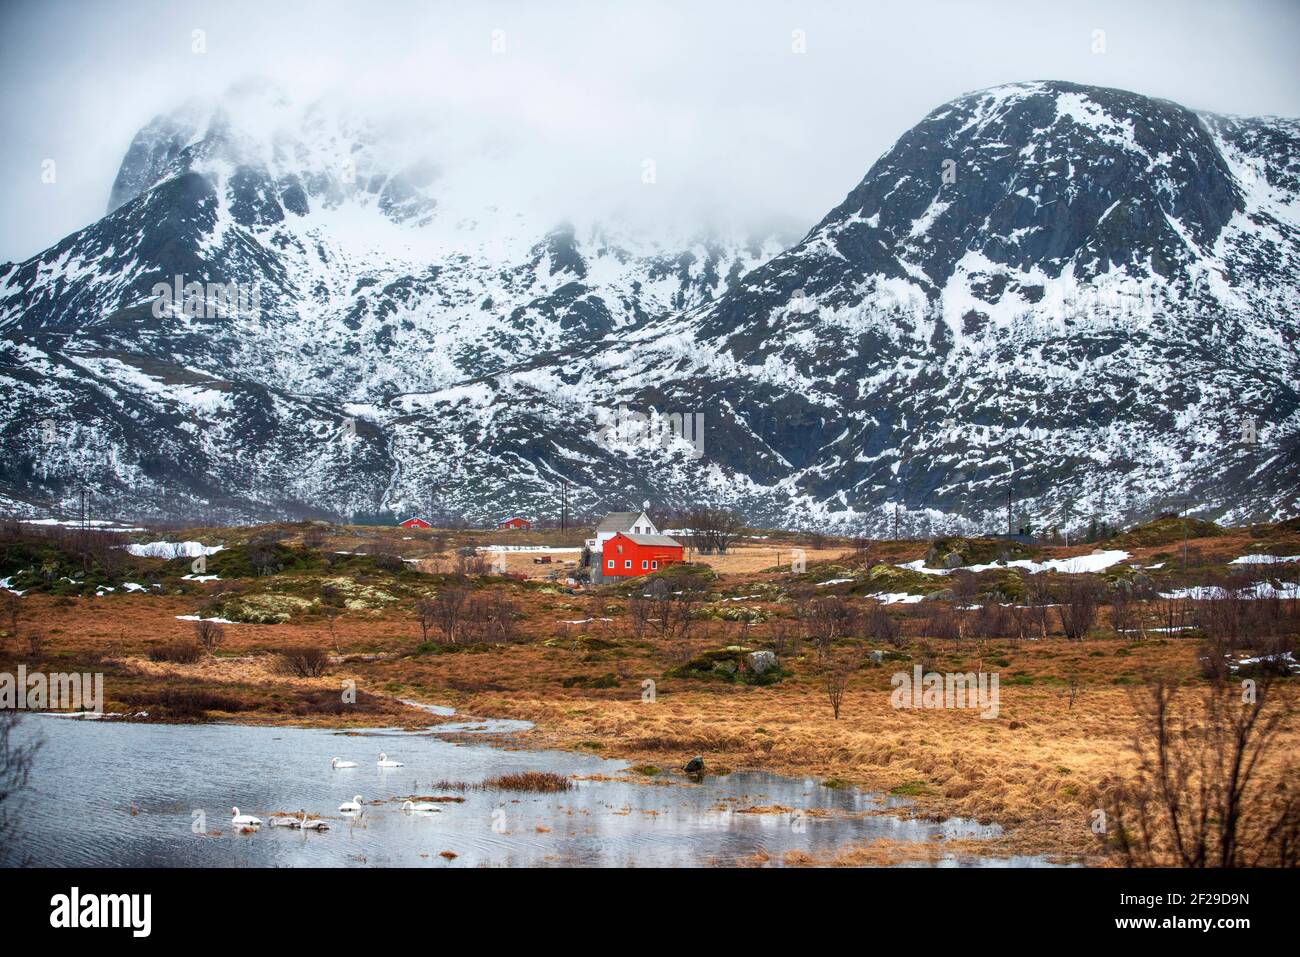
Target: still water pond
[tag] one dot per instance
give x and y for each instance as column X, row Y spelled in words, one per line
column 119, row 794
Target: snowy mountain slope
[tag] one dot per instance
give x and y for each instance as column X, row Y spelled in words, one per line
column 1080, row 297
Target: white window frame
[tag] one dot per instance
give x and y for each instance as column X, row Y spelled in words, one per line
column 611, row 563
column 627, row 563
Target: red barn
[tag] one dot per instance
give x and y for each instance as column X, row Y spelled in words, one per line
column 415, row 523
column 630, row 555
column 516, row 523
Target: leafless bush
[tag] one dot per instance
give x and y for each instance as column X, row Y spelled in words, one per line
column 828, row 618
column 879, row 625
column 638, row 613
column 470, row 562
column 1078, row 609
column 784, row 637
column 426, row 614
column 314, row 536
column 835, row 668
column 1125, row 614
column 1198, row 799
column 942, row 624
column 491, row 617
column 714, row 529
column 448, row 611
column 1039, row 605
column 209, row 634
column 304, row 661
column 35, row 642
column 991, row 620
column 179, row 652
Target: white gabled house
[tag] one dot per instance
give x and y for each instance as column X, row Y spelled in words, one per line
column 627, row 523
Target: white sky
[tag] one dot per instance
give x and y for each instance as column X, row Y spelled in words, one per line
column 744, row 132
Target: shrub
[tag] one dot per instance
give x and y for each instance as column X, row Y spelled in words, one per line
column 304, row 661
column 209, row 634
column 540, row 781
column 179, row 652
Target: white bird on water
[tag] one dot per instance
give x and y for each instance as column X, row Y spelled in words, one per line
column 422, row 806
column 317, row 825
column 385, row 763
column 244, row 820
column 336, row 763
column 282, row 821
column 351, row 806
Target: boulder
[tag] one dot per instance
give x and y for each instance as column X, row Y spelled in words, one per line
column 761, row 661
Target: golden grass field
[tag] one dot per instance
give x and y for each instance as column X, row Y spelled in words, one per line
column 1066, row 721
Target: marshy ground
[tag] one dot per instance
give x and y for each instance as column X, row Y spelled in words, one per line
column 659, row 680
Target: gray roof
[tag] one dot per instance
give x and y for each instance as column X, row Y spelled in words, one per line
column 618, row 521
column 652, row 539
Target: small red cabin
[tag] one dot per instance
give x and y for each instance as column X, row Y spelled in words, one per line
column 630, row 555
column 517, row 524
column 416, row 523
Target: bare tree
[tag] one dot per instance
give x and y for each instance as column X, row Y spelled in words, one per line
column 714, row 529
column 1039, row 604
column 209, row 634
column 16, row 759
column 426, row 613
column 449, row 611
column 331, row 615
column 879, row 625
column 1078, row 607
column 835, row 667
column 1197, row 799
column 638, row 612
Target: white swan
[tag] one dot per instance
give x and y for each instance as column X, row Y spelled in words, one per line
column 281, row 821
column 244, row 820
column 336, row 763
column 422, row 806
column 353, row 805
column 317, row 825
column 385, row 763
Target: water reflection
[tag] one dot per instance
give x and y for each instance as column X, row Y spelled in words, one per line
column 160, row 795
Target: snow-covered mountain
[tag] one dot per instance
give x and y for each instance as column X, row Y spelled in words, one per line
column 1080, row 297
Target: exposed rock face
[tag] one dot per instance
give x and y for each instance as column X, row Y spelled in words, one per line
column 1082, row 297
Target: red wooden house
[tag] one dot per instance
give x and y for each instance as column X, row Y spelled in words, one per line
column 415, row 523
column 516, row 524
column 629, row 555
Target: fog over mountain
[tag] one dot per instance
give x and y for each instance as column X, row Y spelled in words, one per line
column 1077, row 298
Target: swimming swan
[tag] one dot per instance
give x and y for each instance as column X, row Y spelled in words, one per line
column 422, row 806
column 385, row 763
column 336, row 763
column 353, row 805
column 244, row 820
column 282, row 821
column 307, row 825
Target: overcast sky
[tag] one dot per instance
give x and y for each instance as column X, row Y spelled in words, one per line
column 743, row 129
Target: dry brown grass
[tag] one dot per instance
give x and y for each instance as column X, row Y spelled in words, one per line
column 1066, row 722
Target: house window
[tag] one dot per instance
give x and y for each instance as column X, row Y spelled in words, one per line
column 620, row 549
column 644, row 564
column 611, row 563
column 654, row 564
column 628, row 563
